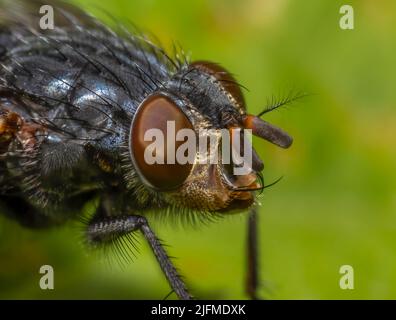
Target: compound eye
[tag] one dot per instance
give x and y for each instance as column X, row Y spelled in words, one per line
column 153, row 143
column 224, row 77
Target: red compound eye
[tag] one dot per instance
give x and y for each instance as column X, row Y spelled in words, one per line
column 155, row 113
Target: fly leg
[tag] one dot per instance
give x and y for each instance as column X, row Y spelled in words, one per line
column 106, row 228
column 252, row 280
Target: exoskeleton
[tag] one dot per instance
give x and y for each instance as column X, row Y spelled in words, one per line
column 75, row 103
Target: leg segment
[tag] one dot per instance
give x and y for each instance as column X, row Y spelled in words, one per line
column 252, row 281
column 105, row 229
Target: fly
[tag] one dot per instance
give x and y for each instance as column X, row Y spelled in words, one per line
column 75, row 103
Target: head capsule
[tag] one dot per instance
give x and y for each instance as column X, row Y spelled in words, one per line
column 204, row 95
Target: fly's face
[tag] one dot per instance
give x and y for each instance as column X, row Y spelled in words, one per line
column 189, row 142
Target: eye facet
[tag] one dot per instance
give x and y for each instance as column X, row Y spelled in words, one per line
column 155, row 113
column 224, row 77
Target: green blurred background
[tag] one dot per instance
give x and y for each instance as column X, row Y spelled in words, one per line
column 337, row 202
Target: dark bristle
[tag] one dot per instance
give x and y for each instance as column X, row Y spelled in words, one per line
column 278, row 102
